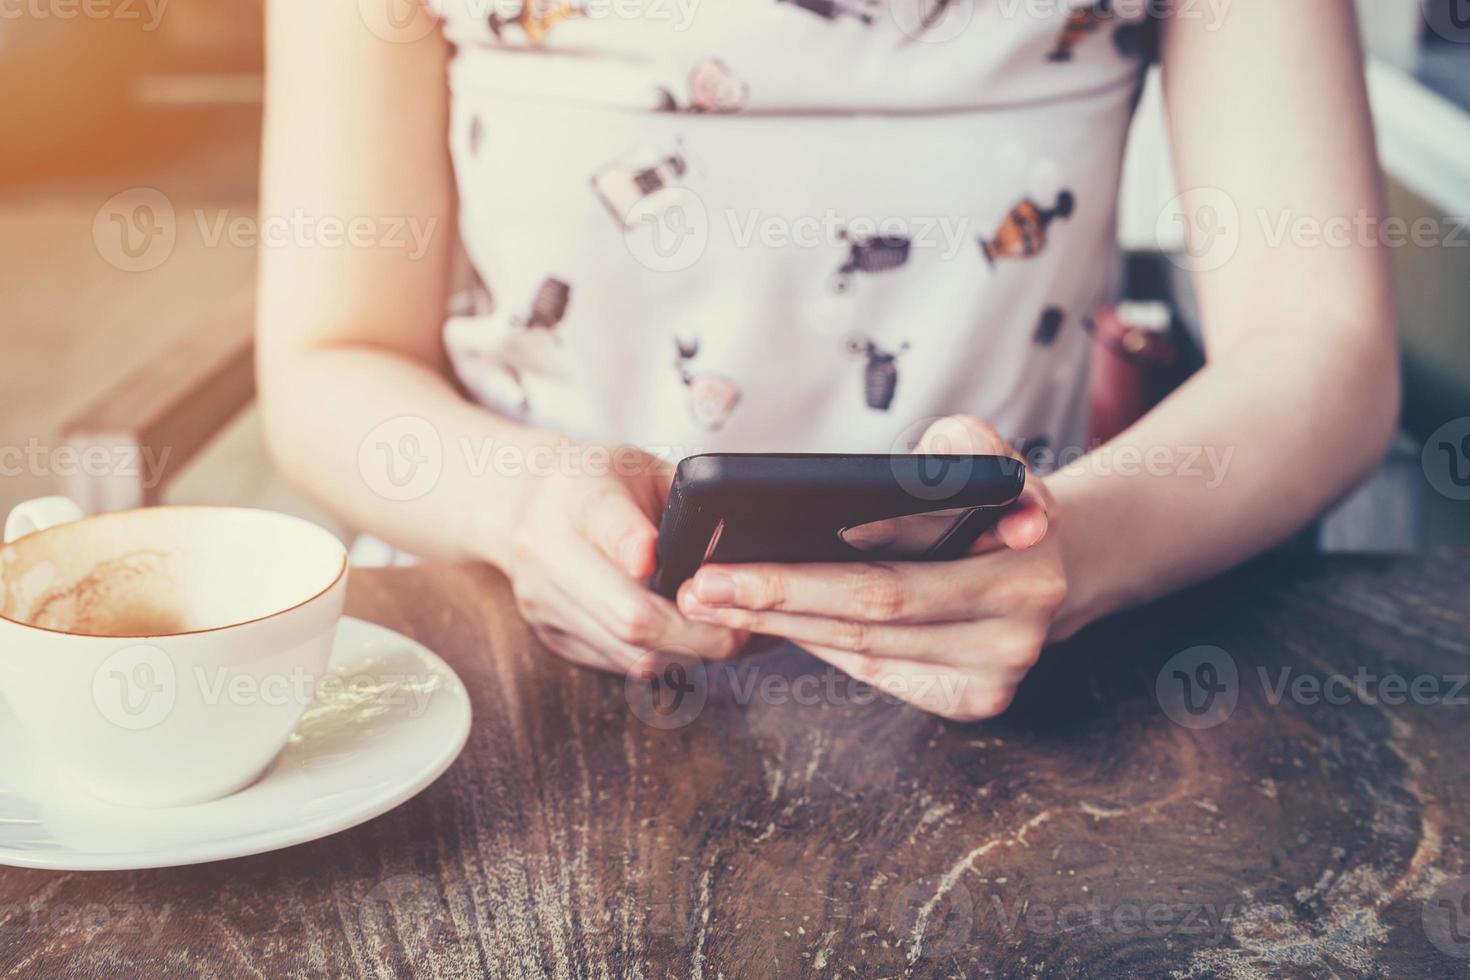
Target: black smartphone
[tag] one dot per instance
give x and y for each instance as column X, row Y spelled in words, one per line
column 800, row 507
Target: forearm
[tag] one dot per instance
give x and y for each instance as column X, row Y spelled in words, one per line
column 1247, row 452
column 370, row 449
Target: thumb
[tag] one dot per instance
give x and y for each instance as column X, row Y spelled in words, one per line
column 618, row 527
column 962, row 435
column 1024, row 524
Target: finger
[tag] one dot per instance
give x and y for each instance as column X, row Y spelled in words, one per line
column 570, row 647
column 1003, row 583
column 951, row 694
column 1001, row 650
column 1024, row 524
column 615, row 523
column 547, row 606
column 867, row 591
column 631, row 613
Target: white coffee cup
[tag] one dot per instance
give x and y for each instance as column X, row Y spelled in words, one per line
column 162, row 656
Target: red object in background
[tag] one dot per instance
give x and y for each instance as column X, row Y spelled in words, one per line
column 1135, row 363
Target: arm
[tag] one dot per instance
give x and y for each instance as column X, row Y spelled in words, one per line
column 1301, row 385
column 1299, row 398
column 353, row 386
column 355, row 128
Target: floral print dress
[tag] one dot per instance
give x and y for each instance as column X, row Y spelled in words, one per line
column 786, row 225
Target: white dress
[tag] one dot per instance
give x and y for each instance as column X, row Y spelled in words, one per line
column 786, row 225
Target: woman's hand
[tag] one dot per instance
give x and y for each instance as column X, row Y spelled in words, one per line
column 954, row 638
column 582, row 544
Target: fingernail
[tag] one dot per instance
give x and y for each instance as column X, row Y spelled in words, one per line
column 693, row 609
column 715, row 588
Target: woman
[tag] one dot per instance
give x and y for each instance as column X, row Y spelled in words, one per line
column 820, row 225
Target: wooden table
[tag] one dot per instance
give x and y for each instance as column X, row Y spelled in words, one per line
column 789, row 831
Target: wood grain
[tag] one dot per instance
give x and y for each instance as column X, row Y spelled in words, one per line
column 777, row 834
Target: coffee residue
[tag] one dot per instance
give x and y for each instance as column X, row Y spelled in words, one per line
column 114, row 598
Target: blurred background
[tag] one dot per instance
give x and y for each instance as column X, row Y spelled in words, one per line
column 129, row 161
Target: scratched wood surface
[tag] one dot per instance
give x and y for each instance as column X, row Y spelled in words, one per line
column 789, row 831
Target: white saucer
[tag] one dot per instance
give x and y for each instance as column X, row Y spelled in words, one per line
column 397, row 719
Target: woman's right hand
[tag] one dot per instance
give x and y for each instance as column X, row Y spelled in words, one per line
column 578, row 554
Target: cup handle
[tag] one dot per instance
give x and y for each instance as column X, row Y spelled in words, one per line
column 38, row 515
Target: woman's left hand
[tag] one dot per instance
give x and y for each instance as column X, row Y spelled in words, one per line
column 954, row 638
